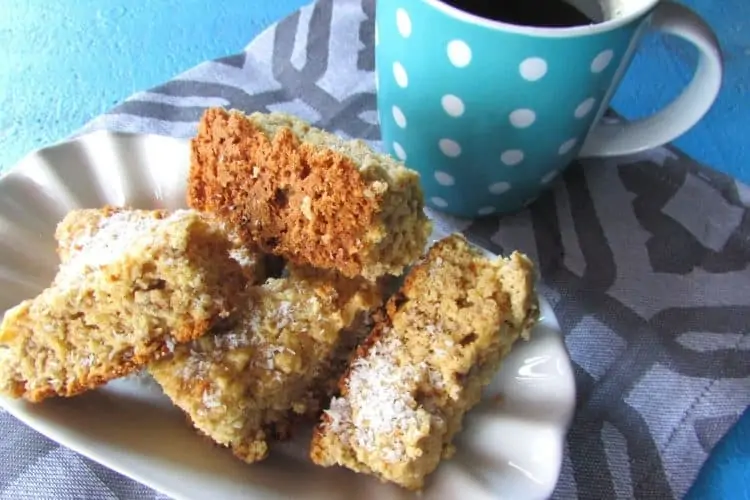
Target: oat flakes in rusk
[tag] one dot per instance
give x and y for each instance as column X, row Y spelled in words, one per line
column 132, row 285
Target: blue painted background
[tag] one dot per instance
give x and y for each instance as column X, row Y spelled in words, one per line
column 63, row 62
column 665, row 64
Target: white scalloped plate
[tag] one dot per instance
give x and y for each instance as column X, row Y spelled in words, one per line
column 512, row 445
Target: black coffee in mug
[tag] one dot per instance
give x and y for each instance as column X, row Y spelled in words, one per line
column 542, row 13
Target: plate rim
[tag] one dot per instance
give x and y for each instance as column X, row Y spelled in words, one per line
column 50, row 430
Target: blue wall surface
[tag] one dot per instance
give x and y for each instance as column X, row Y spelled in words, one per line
column 64, row 62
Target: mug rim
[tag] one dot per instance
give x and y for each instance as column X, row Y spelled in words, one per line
column 572, row 31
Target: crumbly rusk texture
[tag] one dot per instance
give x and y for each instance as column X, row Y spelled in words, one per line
column 326, row 383
column 307, row 195
column 439, row 341
column 243, row 386
column 74, row 231
column 132, row 284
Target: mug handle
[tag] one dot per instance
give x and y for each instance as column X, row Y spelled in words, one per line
column 614, row 139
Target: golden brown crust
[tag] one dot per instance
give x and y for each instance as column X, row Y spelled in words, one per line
column 302, row 200
column 435, row 344
column 92, row 381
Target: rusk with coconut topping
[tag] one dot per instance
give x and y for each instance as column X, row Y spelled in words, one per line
column 132, row 285
column 439, row 341
column 243, row 385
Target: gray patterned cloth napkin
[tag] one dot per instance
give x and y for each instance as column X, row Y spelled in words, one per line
column 644, row 258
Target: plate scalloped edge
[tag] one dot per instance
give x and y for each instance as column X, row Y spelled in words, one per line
column 512, row 445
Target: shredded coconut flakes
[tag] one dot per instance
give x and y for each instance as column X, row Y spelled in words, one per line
column 116, row 235
column 379, row 402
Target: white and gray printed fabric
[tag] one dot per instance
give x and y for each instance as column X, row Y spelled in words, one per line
column 644, row 258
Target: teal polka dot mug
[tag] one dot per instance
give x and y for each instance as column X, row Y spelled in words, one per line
column 490, row 113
